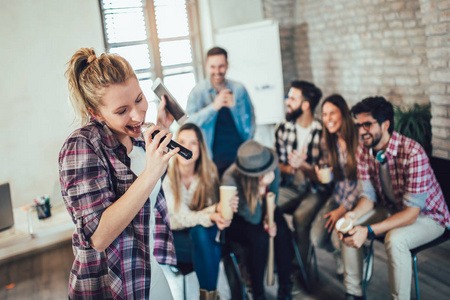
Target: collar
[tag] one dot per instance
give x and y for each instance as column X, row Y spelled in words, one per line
column 315, row 125
column 211, row 88
column 393, row 145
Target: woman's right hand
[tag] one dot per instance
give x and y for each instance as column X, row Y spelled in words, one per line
column 156, row 157
column 220, row 222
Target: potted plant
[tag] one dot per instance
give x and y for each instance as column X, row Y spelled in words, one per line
column 415, row 123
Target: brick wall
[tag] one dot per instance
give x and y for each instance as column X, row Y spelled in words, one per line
column 284, row 12
column 436, row 17
column 360, row 48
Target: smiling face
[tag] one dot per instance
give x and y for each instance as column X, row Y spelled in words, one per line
column 331, row 117
column 217, row 67
column 188, row 138
column 123, row 109
column 294, row 104
column 373, row 135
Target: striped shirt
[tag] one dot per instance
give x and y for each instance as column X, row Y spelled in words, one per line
column 411, row 174
column 94, row 172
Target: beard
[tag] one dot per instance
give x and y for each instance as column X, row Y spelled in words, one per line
column 375, row 140
column 293, row 115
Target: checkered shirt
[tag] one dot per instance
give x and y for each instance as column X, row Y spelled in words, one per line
column 95, row 172
column 410, row 173
column 286, row 142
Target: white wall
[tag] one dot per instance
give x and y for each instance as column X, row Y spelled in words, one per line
column 38, row 39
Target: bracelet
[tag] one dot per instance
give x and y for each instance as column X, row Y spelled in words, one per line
column 370, row 233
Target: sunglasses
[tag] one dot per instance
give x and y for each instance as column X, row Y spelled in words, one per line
column 365, row 125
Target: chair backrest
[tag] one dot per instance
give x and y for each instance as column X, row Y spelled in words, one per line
column 441, row 168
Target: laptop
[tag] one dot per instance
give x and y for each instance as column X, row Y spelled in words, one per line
column 6, row 211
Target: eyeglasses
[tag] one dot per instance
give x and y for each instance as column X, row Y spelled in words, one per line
column 365, row 125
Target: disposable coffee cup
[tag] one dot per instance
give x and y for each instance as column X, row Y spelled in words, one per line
column 344, row 225
column 226, row 193
column 325, row 175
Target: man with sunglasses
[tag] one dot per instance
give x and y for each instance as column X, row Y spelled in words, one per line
column 400, row 199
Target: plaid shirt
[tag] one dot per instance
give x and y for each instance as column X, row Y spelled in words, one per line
column 94, row 172
column 286, row 142
column 345, row 191
column 410, row 173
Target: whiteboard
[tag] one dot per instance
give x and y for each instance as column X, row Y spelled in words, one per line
column 254, row 58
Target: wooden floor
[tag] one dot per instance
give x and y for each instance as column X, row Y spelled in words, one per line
column 45, row 276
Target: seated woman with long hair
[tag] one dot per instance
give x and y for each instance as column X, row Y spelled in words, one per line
column 191, row 188
column 338, row 146
column 255, row 173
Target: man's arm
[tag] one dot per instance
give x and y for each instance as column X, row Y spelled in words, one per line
column 403, row 218
column 358, row 235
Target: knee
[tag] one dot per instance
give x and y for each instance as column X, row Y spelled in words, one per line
column 395, row 240
column 199, row 234
column 319, row 237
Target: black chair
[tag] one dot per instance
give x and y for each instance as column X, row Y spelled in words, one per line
column 236, row 281
column 183, row 269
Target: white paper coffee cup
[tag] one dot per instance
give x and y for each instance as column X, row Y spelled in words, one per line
column 226, row 193
column 344, row 225
column 325, row 175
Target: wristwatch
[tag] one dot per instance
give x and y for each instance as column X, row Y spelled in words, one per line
column 370, row 233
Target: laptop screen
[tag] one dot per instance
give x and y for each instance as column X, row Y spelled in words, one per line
column 6, row 211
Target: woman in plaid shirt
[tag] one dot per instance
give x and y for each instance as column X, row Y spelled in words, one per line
column 338, row 149
column 111, row 184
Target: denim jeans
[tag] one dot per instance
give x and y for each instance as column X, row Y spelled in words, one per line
column 197, row 245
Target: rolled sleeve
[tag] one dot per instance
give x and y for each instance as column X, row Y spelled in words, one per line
column 367, row 190
column 415, row 200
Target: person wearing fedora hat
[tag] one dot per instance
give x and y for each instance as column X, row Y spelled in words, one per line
column 255, row 173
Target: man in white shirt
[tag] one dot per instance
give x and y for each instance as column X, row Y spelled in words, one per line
column 297, row 142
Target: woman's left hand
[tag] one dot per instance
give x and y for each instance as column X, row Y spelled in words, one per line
column 220, row 222
column 164, row 118
column 333, row 216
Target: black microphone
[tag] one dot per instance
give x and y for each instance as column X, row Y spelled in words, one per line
column 184, row 152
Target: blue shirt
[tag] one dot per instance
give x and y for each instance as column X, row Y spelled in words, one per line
column 202, row 113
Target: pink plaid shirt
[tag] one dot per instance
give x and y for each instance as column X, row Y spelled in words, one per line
column 411, row 174
column 94, row 172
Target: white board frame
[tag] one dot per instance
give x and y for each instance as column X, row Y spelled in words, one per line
column 254, row 57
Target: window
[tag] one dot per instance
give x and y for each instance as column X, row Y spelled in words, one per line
column 160, row 38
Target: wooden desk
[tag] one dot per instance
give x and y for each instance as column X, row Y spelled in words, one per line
column 30, row 234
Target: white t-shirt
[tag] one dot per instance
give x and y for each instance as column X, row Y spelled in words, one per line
column 302, row 136
column 159, row 285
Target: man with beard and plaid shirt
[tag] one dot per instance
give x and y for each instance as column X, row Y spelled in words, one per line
column 297, row 142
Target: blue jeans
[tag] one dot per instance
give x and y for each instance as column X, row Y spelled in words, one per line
column 197, row 245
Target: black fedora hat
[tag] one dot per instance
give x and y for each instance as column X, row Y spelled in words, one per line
column 255, row 160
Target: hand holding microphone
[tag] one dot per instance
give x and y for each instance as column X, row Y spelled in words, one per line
column 184, row 152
